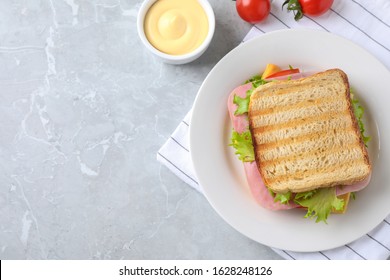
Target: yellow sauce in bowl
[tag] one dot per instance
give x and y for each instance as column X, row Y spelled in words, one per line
column 176, row 27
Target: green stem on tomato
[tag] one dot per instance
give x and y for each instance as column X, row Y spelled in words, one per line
column 295, row 6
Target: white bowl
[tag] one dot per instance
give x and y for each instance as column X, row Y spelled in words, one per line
column 176, row 59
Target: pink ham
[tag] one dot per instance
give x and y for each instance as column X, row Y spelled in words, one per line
column 256, row 184
column 354, row 187
column 240, row 122
column 260, row 191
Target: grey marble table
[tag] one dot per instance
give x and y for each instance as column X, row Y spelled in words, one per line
column 84, row 109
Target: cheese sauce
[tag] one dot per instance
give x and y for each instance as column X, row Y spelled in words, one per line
column 176, row 27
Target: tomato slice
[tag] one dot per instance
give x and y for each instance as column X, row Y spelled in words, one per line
column 283, row 73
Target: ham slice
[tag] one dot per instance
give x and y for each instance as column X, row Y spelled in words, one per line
column 240, row 122
column 354, row 187
column 260, row 191
column 256, row 184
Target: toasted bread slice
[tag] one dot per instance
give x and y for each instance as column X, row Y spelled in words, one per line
column 305, row 134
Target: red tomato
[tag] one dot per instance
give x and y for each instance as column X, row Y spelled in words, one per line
column 315, row 7
column 253, row 11
column 283, row 73
column 308, row 7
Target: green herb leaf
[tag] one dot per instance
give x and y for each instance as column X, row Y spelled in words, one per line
column 283, row 198
column 319, row 203
column 359, row 112
column 304, row 195
column 242, row 103
column 256, row 81
column 242, row 143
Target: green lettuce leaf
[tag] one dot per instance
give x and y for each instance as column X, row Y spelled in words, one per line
column 359, row 112
column 256, row 81
column 242, row 143
column 319, row 203
column 242, row 103
column 283, row 198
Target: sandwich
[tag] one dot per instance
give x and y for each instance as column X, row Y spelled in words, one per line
column 302, row 142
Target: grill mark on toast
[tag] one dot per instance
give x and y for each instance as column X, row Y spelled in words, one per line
column 305, row 145
column 310, row 154
column 268, row 95
column 300, row 122
column 297, row 86
column 305, row 174
column 299, row 113
column 326, row 174
column 300, row 139
column 313, row 102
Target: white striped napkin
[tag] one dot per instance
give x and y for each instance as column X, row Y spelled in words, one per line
column 365, row 22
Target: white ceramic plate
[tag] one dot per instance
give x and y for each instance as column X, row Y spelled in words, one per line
column 221, row 174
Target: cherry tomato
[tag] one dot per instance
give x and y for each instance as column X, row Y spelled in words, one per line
column 308, row 7
column 253, row 11
column 315, row 7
